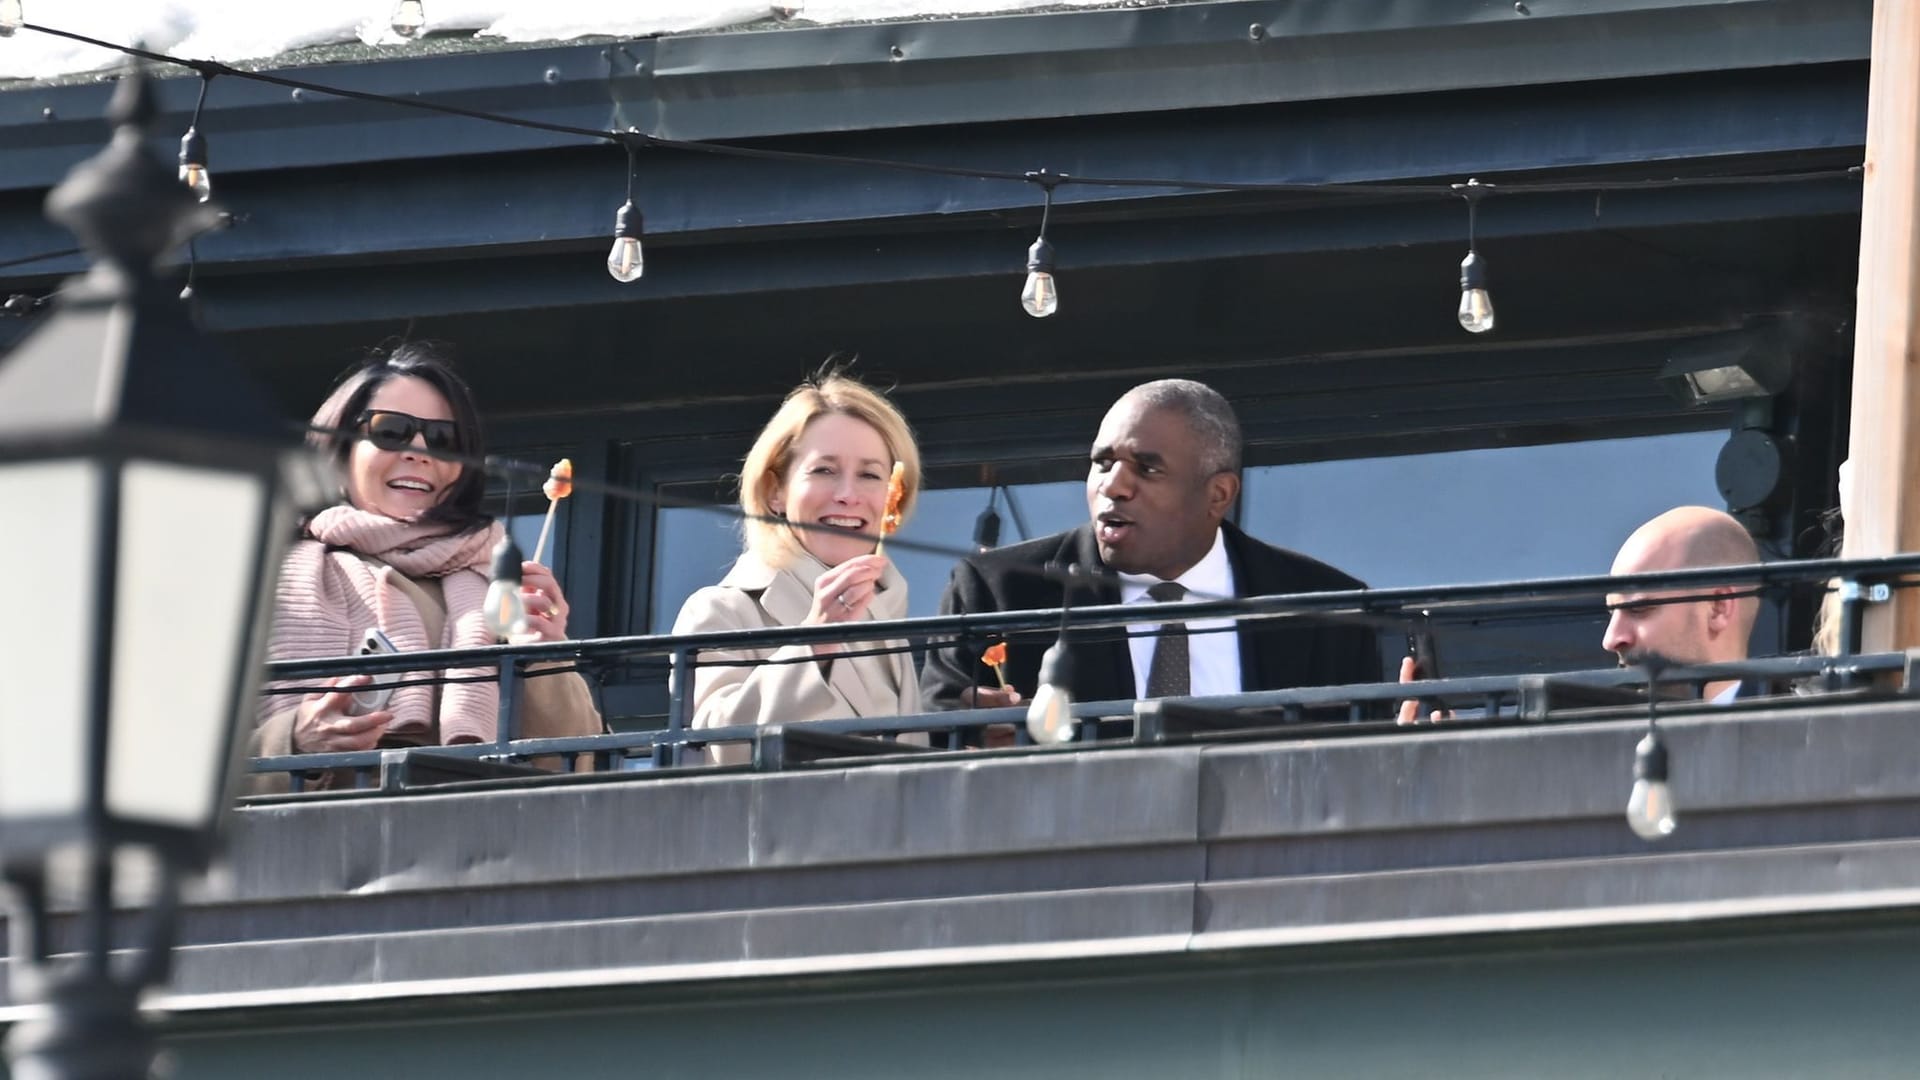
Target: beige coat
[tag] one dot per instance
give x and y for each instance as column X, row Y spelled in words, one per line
column 754, row 594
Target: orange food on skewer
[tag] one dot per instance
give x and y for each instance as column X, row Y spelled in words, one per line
column 896, row 493
column 996, row 658
column 559, row 483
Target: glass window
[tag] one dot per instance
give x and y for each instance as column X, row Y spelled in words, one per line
column 692, row 548
column 695, row 547
column 1487, row 515
column 946, row 517
column 1480, row 515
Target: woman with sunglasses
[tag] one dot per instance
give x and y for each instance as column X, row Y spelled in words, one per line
column 406, row 552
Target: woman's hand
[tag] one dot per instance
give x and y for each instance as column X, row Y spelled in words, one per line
column 326, row 725
column 843, row 594
column 546, row 604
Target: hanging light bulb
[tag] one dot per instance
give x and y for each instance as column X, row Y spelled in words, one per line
column 1050, row 717
column 11, row 17
column 193, row 164
column 1476, row 304
column 1650, row 806
column 1040, row 297
column 626, row 262
column 986, row 527
column 505, row 609
column 409, row 18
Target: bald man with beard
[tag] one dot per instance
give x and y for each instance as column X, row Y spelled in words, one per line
column 1714, row 629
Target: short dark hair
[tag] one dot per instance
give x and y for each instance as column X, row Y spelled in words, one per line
column 1206, row 410
column 429, row 362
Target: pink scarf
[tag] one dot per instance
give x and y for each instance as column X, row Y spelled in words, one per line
column 328, row 596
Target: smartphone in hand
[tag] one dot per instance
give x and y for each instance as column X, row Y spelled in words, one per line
column 1426, row 655
column 1426, row 661
column 374, row 697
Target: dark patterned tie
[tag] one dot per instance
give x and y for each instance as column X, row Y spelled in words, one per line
column 1171, row 673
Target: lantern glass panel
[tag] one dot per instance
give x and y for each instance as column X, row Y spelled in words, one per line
column 47, row 680
column 189, row 574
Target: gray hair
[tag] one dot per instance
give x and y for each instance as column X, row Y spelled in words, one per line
column 1209, row 414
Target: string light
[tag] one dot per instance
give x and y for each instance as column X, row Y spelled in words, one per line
column 1041, row 297
column 626, row 262
column 409, row 18
column 1368, row 191
column 1476, row 304
column 193, row 150
column 1050, row 716
column 986, row 527
column 505, row 609
column 1650, row 812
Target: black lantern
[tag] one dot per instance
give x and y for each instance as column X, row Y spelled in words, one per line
column 150, row 491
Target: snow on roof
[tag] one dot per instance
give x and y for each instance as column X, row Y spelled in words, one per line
column 239, row 31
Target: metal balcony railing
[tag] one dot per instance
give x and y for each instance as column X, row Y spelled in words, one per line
column 1318, row 711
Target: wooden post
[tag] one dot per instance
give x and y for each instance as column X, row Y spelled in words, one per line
column 1884, row 517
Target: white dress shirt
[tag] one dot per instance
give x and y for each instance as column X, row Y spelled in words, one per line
column 1215, row 657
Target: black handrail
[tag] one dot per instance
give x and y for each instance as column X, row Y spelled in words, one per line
column 1440, row 604
column 1444, row 602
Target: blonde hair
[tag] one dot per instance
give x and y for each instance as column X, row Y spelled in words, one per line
column 1826, row 621
column 767, row 463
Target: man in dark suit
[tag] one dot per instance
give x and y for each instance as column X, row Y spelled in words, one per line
column 1165, row 470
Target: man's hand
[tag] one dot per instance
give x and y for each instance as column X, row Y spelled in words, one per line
column 1410, row 708
column 994, row 736
column 991, row 697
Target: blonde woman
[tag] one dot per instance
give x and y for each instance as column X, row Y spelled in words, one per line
column 813, row 488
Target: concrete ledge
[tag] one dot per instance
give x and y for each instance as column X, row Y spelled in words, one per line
column 1055, row 854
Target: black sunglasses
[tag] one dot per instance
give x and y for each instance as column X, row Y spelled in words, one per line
column 395, row 430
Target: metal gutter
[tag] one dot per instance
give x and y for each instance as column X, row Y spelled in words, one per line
column 963, row 71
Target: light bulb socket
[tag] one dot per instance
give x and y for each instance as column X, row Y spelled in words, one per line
column 628, row 222
column 506, row 561
column 193, row 148
column 1650, row 759
column 1473, row 271
column 1040, row 257
column 1056, row 667
column 986, row 529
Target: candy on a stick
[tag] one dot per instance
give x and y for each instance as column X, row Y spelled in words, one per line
column 996, row 658
column 559, row 485
column 896, row 491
